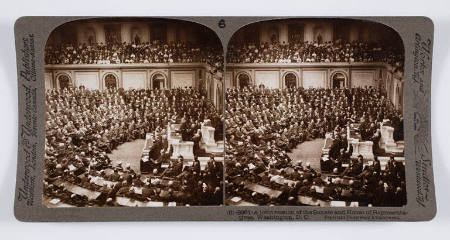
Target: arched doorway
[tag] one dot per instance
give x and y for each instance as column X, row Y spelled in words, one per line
column 110, row 81
column 338, row 80
column 243, row 80
column 158, row 81
column 290, row 80
column 64, row 81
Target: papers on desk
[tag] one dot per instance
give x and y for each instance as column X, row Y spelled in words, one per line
column 127, row 202
column 281, row 180
column 312, row 201
column 84, row 192
column 307, row 201
column 246, row 204
column 99, row 181
column 137, row 190
column 263, row 190
column 319, row 189
column 154, row 204
column 55, row 201
column 236, row 199
column 72, row 167
column 317, row 202
column 155, row 180
column 165, row 165
column 251, row 166
column 276, row 178
column 343, row 204
column 337, row 204
column 123, row 201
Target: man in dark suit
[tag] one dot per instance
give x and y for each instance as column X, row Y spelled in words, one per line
column 196, row 165
column 355, row 168
column 214, row 167
column 335, row 147
column 175, row 168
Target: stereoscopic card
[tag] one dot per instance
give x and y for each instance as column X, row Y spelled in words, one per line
column 224, row 119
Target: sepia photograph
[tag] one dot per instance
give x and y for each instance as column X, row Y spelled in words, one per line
column 314, row 114
column 134, row 114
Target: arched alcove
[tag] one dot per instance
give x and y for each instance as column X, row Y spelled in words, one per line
column 64, row 81
column 110, row 81
column 243, row 79
column 158, row 81
column 290, row 80
column 338, row 80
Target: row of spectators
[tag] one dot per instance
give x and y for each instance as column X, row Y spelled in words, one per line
column 263, row 125
column 294, row 52
column 297, row 52
column 155, row 52
column 83, row 126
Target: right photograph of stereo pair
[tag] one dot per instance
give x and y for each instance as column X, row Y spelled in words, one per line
column 314, row 114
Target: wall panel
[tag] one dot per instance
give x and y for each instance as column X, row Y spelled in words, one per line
column 363, row 78
column 314, row 79
column 135, row 80
column 182, row 78
column 270, row 79
column 87, row 79
column 48, row 80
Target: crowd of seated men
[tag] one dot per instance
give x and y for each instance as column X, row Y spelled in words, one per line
column 83, row 126
column 297, row 52
column 263, row 125
column 155, row 52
